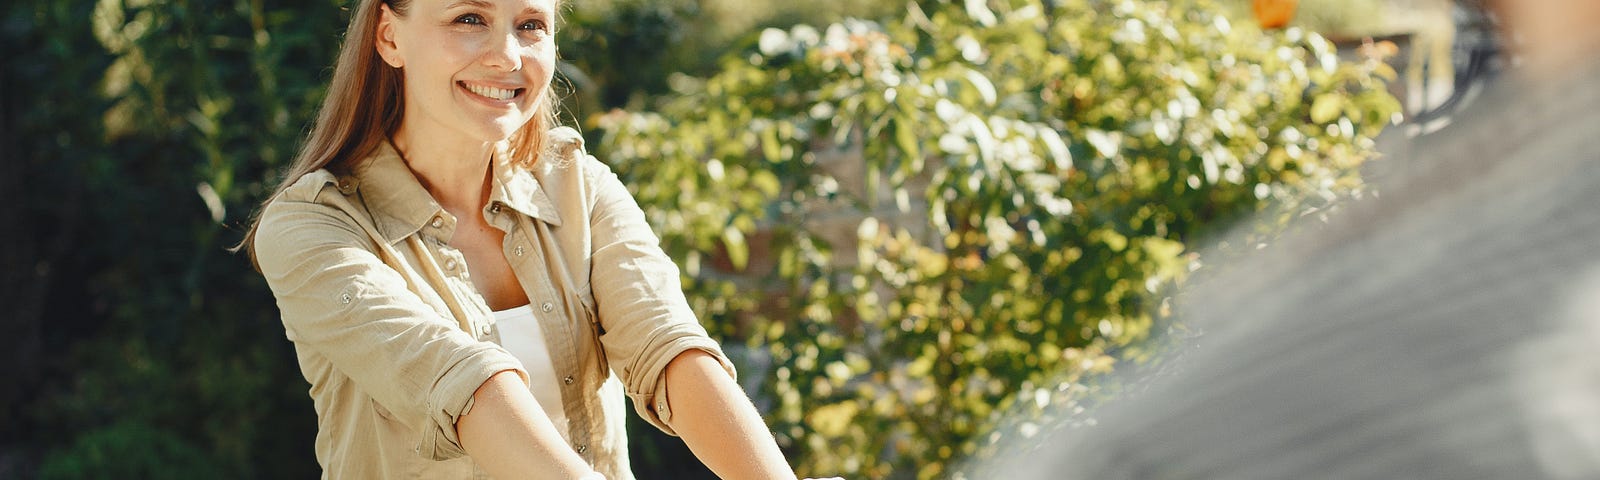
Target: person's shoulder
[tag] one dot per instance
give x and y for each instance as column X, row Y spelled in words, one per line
column 564, row 139
column 308, row 187
column 320, row 193
column 565, row 155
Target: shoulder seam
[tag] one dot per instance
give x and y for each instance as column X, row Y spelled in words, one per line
column 302, row 190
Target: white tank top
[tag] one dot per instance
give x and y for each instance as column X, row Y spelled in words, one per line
column 520, row 334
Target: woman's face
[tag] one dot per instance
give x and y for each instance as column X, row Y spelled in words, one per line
column 476, row 68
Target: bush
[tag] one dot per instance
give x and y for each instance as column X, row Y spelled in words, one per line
column 146, row 134
column 1032, row 172
column 138, row 136
column 621, row 52
column 966, row 211
column 129, row 450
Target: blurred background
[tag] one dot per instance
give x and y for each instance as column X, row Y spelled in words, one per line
column 918, row 226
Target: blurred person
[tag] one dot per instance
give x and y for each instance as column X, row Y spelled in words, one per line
column 467, row 290
column 1448, row 328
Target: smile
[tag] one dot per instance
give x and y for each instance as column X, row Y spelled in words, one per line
column 492, row 93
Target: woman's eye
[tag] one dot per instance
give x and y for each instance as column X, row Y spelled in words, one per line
column 470, row 19
column 533, row 25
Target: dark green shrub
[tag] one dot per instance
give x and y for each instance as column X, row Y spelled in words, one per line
column 129, row 450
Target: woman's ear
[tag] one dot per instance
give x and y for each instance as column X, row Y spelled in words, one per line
column 385, row 38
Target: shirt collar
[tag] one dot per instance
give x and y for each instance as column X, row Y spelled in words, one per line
column 517, row 188
column 400, row 206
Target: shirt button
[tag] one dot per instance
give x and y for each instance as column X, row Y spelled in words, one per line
column 547, row 307
column 517, row 250
column 438, row 222
column 450, row 264
column 484, row 329
column 567, row 380
column 345, row 298
column 494, row 208
column 582, row 447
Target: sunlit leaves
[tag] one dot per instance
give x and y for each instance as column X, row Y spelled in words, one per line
column 1326, row 108
column 981, row 205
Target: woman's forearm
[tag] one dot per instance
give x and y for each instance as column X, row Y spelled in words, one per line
column 719, row 423
column 510, row 436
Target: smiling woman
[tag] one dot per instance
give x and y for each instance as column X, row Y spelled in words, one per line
column 479, row 70
column 467, row 290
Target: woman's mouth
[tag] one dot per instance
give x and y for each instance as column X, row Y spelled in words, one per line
column 492, row 93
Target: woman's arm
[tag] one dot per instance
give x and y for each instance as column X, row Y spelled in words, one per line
column 508, row 434
column 359, row 316
column 654, row 341
column 719, row 423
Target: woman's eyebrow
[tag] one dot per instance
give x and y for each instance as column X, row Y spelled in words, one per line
column 469, row 3
column 486, row 5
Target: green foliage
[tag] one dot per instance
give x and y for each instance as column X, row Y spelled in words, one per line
column 917, row 224
column 150, row 128
column 138, row 136
column 621, row 52
column 966, row 211
column 129, row 450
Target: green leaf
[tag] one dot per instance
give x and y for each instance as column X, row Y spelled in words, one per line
column 766, row 182
column 906, row 138
column 984, row 86
column 1058, row 148
column 738, row 251
column 770, row 146
column 1327, row 107
column 985, row 139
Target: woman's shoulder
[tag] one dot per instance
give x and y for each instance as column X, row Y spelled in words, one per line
column 308, row 186
column 566, row 160
column 320, row 193
column 566, row 147
column 564, row 139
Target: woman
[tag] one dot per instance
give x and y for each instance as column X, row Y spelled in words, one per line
column 460, row 279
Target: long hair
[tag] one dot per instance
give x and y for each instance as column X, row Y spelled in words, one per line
column 363, row 107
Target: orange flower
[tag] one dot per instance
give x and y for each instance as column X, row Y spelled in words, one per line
column 1274, row 13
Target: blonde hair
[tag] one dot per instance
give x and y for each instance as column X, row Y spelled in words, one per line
column 363, row 107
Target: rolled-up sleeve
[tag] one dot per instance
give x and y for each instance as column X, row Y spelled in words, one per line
column 340, row 301
column 639, row 298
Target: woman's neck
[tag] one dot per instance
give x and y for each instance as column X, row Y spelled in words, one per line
column 455, row 173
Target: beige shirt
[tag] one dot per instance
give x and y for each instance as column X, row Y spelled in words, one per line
column 395, row 339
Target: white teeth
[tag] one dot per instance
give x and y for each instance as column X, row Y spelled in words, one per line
column 491, row 92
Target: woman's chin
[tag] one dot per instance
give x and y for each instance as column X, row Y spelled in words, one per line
column 508, row 127
column 501, row 129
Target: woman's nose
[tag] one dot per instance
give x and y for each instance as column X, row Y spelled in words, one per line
column 505, row 54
